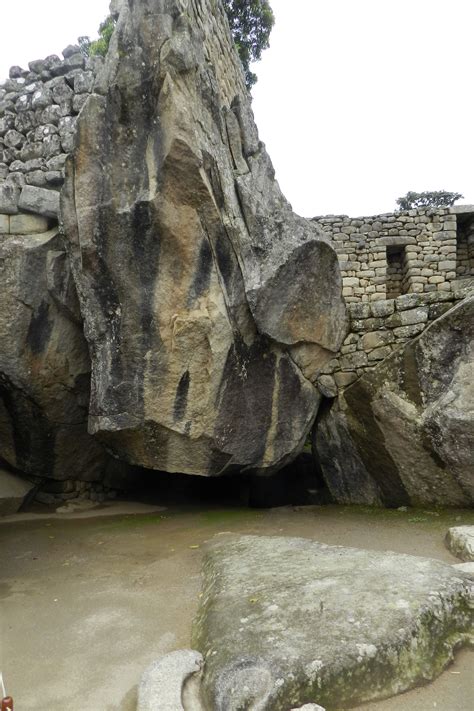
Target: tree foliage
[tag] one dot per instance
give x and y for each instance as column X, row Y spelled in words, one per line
column 99, row 46
column 435, row 198
column 251, row 23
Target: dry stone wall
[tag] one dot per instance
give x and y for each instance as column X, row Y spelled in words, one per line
column 414, row 252
column 38, row 111
column 400, row 272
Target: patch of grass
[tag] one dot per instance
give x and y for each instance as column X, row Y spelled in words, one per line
column 417, row 519
column 434, row 516
column 229, row 515
column 135, row 521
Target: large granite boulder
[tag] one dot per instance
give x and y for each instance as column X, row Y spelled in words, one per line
column 209, row 306
column 404, row 433
column 44, row 364
column 287, row 621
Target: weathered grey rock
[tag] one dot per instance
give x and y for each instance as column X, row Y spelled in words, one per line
column 465, row 568
column 460, row 541
column 40, row 201
column 37, row 66
column 71, row 50
column 84, row 82
column 327, row 386
column 209, row 306
column 309, row 707
column 28, row 224
column 9, row 196
column 17, row 72
column 36, row 178
column 13, row 492
column 287, row 621
column 404, row 433
column 463, row 288
column 44, row 364
column 13, row 138
column 4, row 224
column 15, row 180
column 161, row 686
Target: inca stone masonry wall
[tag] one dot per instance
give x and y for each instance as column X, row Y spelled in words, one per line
column 400, row 272
column 419, row 251
column 38, row 110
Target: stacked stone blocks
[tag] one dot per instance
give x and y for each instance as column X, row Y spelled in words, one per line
column 400, row 272
column 38, row 112
column 380, row 327
column 408, row 252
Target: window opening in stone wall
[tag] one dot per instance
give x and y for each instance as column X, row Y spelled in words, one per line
column 397, row 273
column 465, row 247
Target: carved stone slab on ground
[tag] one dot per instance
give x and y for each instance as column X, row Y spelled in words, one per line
column 286, row 621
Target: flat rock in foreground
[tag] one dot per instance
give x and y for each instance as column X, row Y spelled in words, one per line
column 287, row 621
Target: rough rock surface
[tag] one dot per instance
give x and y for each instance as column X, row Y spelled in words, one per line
column 404, row 433
column 13, row 492
column 465, row 567
column 161, row 686
column 460, row 541
column 287, row 621
column 209, row 306
column 44, row 364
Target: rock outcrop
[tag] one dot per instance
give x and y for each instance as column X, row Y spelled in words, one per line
column 460, row 541
column 288, row 621
column 13, row 492
column 209, row 306
column 404, row 433
column 44, row 364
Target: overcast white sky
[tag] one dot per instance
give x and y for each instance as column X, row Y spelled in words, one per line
column 358, row 101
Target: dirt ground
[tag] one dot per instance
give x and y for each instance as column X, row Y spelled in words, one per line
column 86, row 603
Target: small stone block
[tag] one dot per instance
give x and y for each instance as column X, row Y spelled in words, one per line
column 382, row 308
column 407, row 301
column 28, row 224
column 9, row 199
column 380, row 353
column 4, row 224
column 327, row 386
column 410, row 316
column 40, row 201
column 343, row 380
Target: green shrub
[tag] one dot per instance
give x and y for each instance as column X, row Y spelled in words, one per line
column 435, row 198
